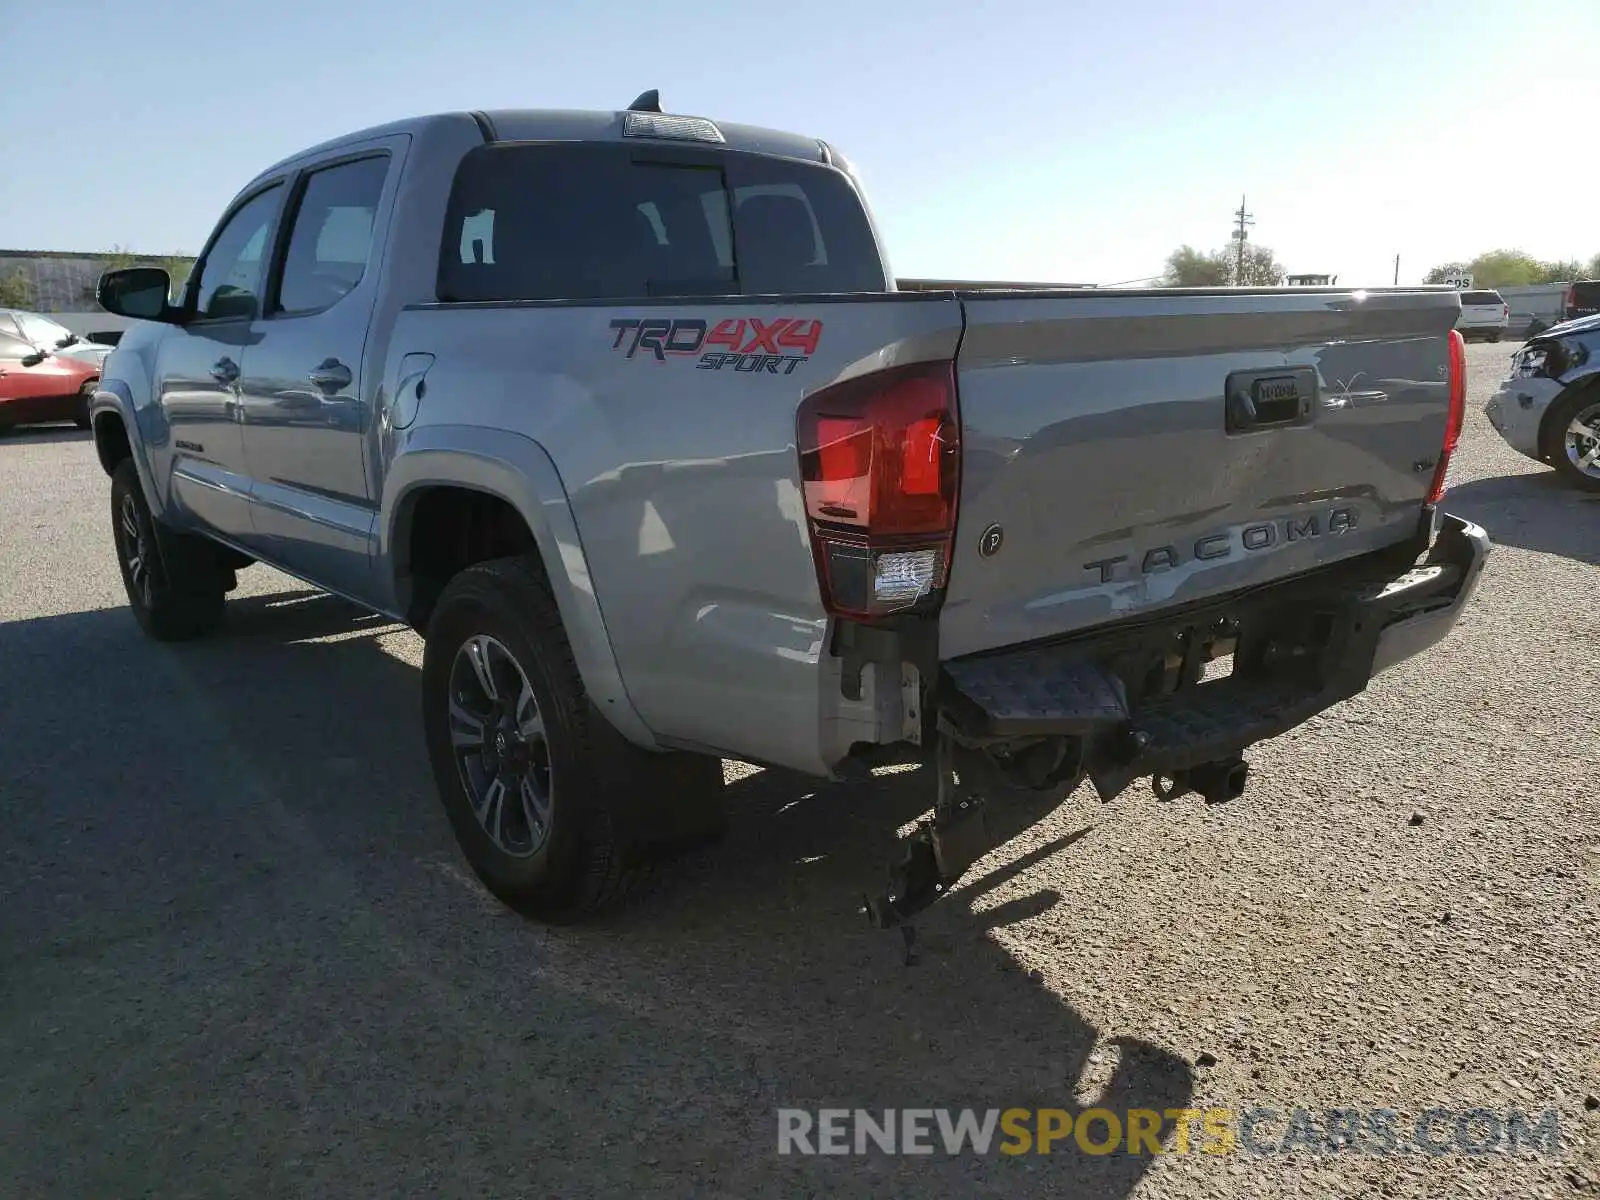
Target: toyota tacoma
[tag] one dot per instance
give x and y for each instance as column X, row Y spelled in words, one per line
column 625, row 414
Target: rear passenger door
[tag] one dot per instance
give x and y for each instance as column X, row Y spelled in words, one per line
column 307, row 406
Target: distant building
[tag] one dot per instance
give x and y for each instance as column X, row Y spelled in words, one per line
column 1310, row 280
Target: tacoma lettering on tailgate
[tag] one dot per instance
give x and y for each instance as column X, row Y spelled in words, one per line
column 747, row 344
column 1260, row 536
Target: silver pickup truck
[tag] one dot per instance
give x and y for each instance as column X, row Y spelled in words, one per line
column 624, row 412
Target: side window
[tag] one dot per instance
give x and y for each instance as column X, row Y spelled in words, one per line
column 232, row 281
column 331, row 240
column 13, row 350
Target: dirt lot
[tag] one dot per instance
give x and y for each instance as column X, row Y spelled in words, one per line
column 240, row 956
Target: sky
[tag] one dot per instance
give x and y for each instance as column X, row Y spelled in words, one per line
column 1052, row 141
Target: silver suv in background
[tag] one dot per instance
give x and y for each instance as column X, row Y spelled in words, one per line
column 1484, row 315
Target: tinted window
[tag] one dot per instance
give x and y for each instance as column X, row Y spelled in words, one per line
column 1586, row 295
column 599, row 221
column 231, row 282
column 1481, row 298
column 331, row 240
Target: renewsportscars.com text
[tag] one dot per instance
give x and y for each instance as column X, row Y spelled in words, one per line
column 1259, row 1131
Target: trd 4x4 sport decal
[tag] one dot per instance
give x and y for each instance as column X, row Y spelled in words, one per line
column 748, row 344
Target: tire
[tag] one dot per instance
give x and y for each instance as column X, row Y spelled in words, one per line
column 175, row 585
column 1585, row 402
column 1495, row 337
column 584, row 814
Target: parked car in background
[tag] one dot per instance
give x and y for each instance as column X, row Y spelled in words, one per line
column 1582, row 300
column 1484, row 315
column 54, row 338
column 1549, row 409
column 38, row 387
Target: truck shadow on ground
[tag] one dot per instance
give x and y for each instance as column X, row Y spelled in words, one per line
column 1534, row 511
column 756, row 944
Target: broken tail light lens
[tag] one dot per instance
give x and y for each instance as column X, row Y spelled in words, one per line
column 1455, row 415
column 880, row 460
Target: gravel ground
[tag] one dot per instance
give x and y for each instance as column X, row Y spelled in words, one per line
column 240, row 956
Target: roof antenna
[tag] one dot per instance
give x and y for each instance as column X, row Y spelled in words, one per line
column 647, row 102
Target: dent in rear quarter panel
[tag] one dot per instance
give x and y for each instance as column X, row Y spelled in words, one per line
column 1094, row 432
column 685, row 489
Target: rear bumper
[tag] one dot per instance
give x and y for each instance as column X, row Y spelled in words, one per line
column 1299, row 648
column 1461, row 548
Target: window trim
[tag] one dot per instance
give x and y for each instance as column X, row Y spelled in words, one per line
column 191, row 290
column 270, row 310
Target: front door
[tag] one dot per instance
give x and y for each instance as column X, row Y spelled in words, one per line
column 305, row 410
column 199, row 365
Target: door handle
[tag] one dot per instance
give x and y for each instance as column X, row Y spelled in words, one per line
column 225, row 370
column 331, row 375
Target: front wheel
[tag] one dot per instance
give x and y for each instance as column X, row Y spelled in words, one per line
column 1575, row 437
column 555, row 811
column 175, row 587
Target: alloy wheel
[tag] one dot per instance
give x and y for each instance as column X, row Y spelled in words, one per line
column 1582, row 441
column 501, row 748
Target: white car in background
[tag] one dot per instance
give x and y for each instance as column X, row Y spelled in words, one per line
column 1483, row 315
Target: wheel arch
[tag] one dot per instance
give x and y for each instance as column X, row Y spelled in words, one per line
column 1586, row 385
column 447, row 474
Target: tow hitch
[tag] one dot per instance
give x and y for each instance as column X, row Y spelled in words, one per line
column 1217, row 782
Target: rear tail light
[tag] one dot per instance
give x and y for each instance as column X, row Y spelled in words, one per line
column 1457, row 413
column 880, row 462
column 1570, row 301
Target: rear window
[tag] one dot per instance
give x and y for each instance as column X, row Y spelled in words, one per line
column 1586, row 295
column 602, row 221
column 1481, row 298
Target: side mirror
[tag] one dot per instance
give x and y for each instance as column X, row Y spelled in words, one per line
column 34, row 359
column 137, row 292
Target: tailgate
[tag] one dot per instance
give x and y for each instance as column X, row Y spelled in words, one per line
column 1127, row 453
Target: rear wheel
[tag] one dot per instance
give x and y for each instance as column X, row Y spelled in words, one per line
column 175, row 586
column 1575, row 437
column 556, row 812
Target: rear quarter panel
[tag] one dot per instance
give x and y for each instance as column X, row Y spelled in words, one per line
column 682, row 477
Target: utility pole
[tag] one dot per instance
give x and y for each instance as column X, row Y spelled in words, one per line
column 1240, row 235
column 1397, row 270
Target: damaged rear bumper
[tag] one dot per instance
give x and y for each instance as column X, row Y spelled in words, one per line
column 1127, row 702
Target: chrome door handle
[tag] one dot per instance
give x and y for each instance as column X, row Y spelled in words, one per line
column 331, row 375
column 225, row 370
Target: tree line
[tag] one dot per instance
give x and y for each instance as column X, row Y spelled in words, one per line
column 1188, row 267
column 1515, row 268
